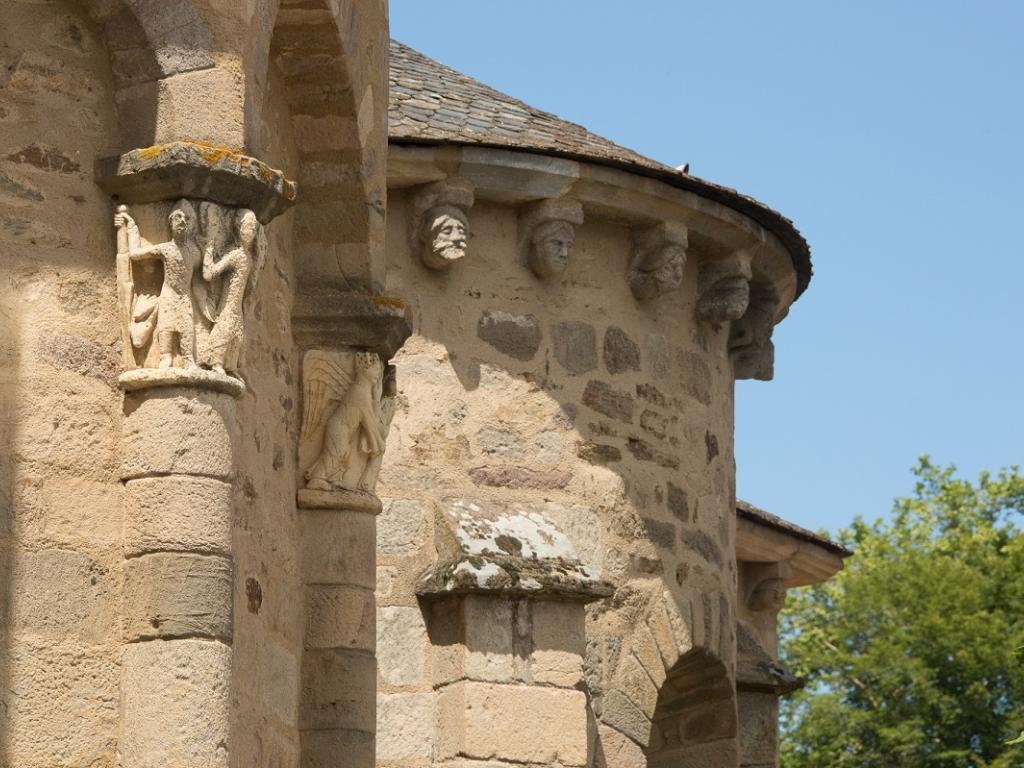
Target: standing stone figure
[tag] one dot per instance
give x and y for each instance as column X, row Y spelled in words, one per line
column 388, row 404
column 238, row 268
column 180, row 256
column 658, row 262
column 351, row 434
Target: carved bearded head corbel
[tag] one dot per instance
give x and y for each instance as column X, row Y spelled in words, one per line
column 723, row 288
column 658, row 260
column 440, row 224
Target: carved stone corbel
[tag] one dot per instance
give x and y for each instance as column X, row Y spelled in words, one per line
column 658, row 260
column 547, row 234
column 439, row 225
column 750, row 337
column 723, row 288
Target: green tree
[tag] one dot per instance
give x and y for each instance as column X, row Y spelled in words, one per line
column 912, row 651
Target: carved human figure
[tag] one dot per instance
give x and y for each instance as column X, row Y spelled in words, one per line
column 723, row 288
column 238, row 269
column 551, row 244
column 750, row 337
column 443, row 236
column 658, row 262
column 180, row 256
column 353, row 431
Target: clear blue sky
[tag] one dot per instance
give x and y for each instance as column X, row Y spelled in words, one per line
column 890, row 132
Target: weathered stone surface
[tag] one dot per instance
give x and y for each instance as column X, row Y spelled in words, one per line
column 624, row 716
column 496, row 718
column 654, row 422
column 72, row 353
column 338, row 690
column 696, row 376
column 176, row 704
column 608, row 402
column 678, row 503
column 558, row 643
column 405, row 726
column 337, row 548
column 59, row 701
column 177, row 431
column 46, row 158
column 168, row 595
column 575, row 346
column 615, row 750
column 180, row 513
column 661, row 533
column 279, row 675
column 759, row 728
column 597, row 453
column 320, row 749
column 711, row 444
column 517, row 336
column 659, row 359
column 59, row 594
column 702, row 544
column 401, row 645
column 644, row 451
column 519, row 477
column 632, row 679
column 339, row 617
column 400, row 527
column 620, row 352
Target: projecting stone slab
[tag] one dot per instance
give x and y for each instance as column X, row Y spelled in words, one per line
column 194, row 169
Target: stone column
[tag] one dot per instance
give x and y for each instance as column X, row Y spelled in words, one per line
column 190, row 248
column 507, row 635
column 348, row 401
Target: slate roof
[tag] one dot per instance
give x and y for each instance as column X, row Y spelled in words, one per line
column 757, row 515
column 434, row 104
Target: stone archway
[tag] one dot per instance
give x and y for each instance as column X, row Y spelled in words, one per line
column 695, row 721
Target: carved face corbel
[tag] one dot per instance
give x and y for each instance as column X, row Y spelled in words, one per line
column 440, row 223
column 658, row 260
column 549, row 231
column 750, row 338
column 765, row 586
column 723, row 288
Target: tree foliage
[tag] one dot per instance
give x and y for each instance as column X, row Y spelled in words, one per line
column 913, row 653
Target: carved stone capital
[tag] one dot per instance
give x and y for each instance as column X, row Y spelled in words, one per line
column 547, row 233
column 196, row 170
column 439, row 225
column 183, row 292
column 723, row 287
column 659, row 259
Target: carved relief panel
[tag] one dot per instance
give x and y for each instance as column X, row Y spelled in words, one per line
column 183, row 301
column 348, row 405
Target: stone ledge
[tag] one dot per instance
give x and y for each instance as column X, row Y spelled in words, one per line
column 341, row 500
column 512, row 577
column 197, row 170
column 196, row 378
column 341, row 319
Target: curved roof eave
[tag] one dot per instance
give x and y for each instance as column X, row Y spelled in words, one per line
column 431, row 104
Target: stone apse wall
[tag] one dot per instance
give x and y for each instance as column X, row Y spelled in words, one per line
column 556, row 573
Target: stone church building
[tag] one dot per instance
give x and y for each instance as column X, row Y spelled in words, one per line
column 357, row 414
